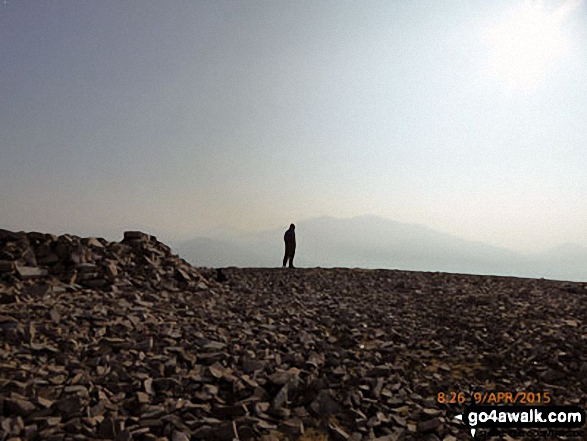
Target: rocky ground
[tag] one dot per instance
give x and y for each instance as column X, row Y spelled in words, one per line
column 106, row 340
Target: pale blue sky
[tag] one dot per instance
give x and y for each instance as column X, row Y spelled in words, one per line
column 181, row 116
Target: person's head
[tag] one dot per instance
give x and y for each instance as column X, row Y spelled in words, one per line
column 292, row 227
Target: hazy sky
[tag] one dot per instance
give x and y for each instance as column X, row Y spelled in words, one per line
column 180, row 116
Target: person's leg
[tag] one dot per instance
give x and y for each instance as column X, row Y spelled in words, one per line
column 291, row 257
column 285, row 258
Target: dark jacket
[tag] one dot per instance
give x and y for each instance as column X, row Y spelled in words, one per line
column 290, row 239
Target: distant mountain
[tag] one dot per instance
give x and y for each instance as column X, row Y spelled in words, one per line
column 374, row 242
column 566, row 262
column 216, row 252
column 568, row 253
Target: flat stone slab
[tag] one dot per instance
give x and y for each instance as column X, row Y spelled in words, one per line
column 31, row 272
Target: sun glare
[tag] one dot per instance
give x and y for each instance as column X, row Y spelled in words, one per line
column 527, row 44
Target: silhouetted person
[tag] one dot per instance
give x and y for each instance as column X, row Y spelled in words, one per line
column 290, row 245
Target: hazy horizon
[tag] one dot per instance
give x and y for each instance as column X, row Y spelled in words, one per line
column 231, row 232
column 185, row 118
column 228, row 232
column 373, row 242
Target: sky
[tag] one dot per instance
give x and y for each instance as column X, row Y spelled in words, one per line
column 182, row 117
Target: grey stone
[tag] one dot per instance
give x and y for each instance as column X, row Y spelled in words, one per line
column 19, row 407
column 31, row 272
column 429, row 425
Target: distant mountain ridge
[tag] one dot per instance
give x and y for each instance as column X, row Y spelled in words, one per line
column 375, row 242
